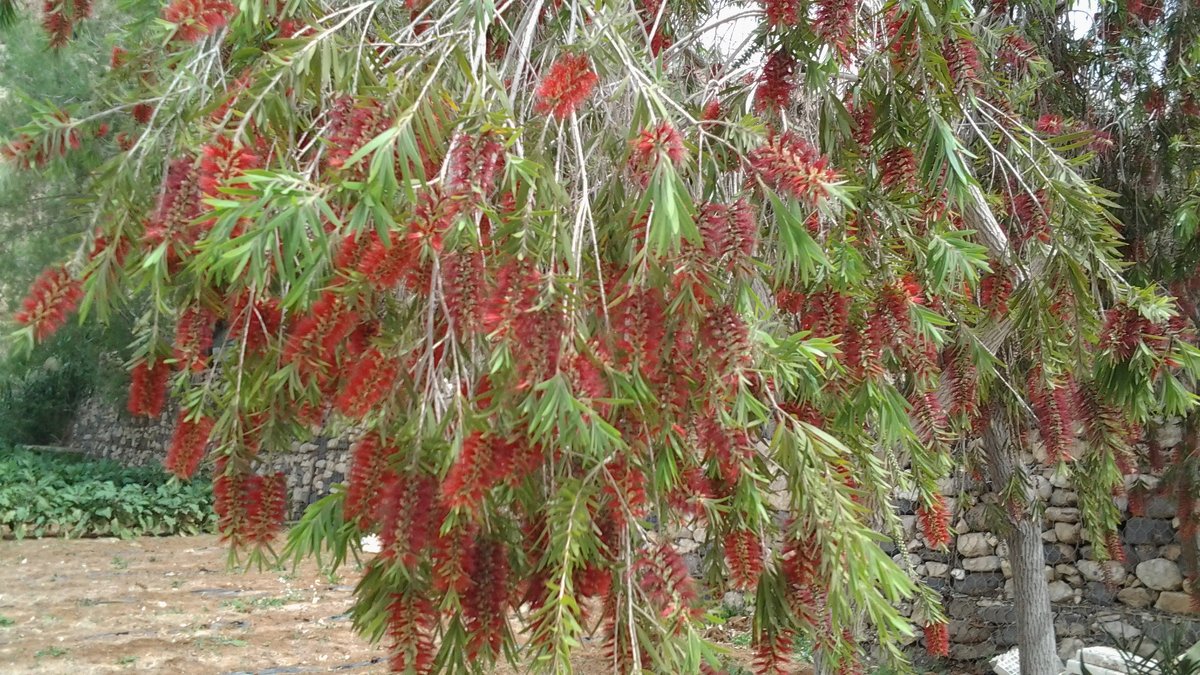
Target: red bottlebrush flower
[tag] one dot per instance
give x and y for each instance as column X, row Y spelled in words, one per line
column 898, row 170
column 663, row 576
column 515, row 292
column 117, row 58
column 789, row 164
column 267, row 507
column 370, row 473
column 313, row 341
column 781, row 12
column 711, row 111
column 826, row 314
column 626, row 489
column 1102, row 142
column 566, row 85
column 994, row 291
column 1017, row 53
column 638, row 323
column 187, row 445
column 433, row 215
column 463, row 291
column 254, row 322
column 730, row 232
column 485, row 604
column 148, row 389
column 1114, row 547
column 1051, row 125
column 83, row 9
column 476, row 163
column 370, row 380
column 58, row 25
column 935, row 522
column 178, row 207
column 743, row 553
column 773, row 654
column 890, row 323
column 142, row 113
column 774, row 92
column 862, row 122
column 102, row 130
column 834, row 24
column 653, row 146
column 454, row 560
column 964, row 383
column 411, row 622
column 1125, row 330
column 963, row 61
column 727, row 448
column 193, row 338
column 351, row 125
column 937, row 639
column 410, row 518
column 51, row 299
column 928, row 418
column 727, row 339
column 194, row 19
column 350, row 251
column 385, row 264
column 220, row 163
column 1146, row 12
column 901, row 32
column 593, row 581
column 483, row 463
column 1055, row 411
column 540, row 334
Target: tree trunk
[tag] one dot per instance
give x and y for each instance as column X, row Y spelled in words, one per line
column 1031, row 593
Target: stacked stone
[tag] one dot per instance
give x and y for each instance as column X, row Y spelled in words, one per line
column 104, row 431
column 1141, row 599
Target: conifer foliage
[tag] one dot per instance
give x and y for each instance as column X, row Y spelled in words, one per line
column 571, row 281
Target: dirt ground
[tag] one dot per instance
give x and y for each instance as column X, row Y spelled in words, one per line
column 169, row 605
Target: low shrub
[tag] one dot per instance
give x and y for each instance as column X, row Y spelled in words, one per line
column 43, row 494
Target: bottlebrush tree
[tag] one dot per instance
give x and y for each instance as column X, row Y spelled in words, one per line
column 574, row 275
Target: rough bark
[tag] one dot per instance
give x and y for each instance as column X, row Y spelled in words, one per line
column 1031, row 593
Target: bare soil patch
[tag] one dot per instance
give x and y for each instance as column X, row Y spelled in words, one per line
column 170, row 605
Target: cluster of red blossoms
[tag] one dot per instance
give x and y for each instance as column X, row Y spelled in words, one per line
column 193, row 338
column 934, row 520
column 994, row 291
column 773, row 654
column 937, row 639
column 195, row 19
column 27, row 152
column 651, row 147
column 786, row 162
column 1029, row 211
column 351, row 125
column 1016, row 53
column 565, row 86
column 898, row 170
column 774, row 92
column 743, row 553
column 484, row 463
column 834, row 24
column 51, row 299
column 59, row 18
column 250, row 507
column 963, row 61
column 188, row 444
column 148, row 388
column 729, row 231
column 1055, row 411
column 1125, row 329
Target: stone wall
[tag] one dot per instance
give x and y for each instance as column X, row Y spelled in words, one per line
column 1140, row 598
column 103, row 430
